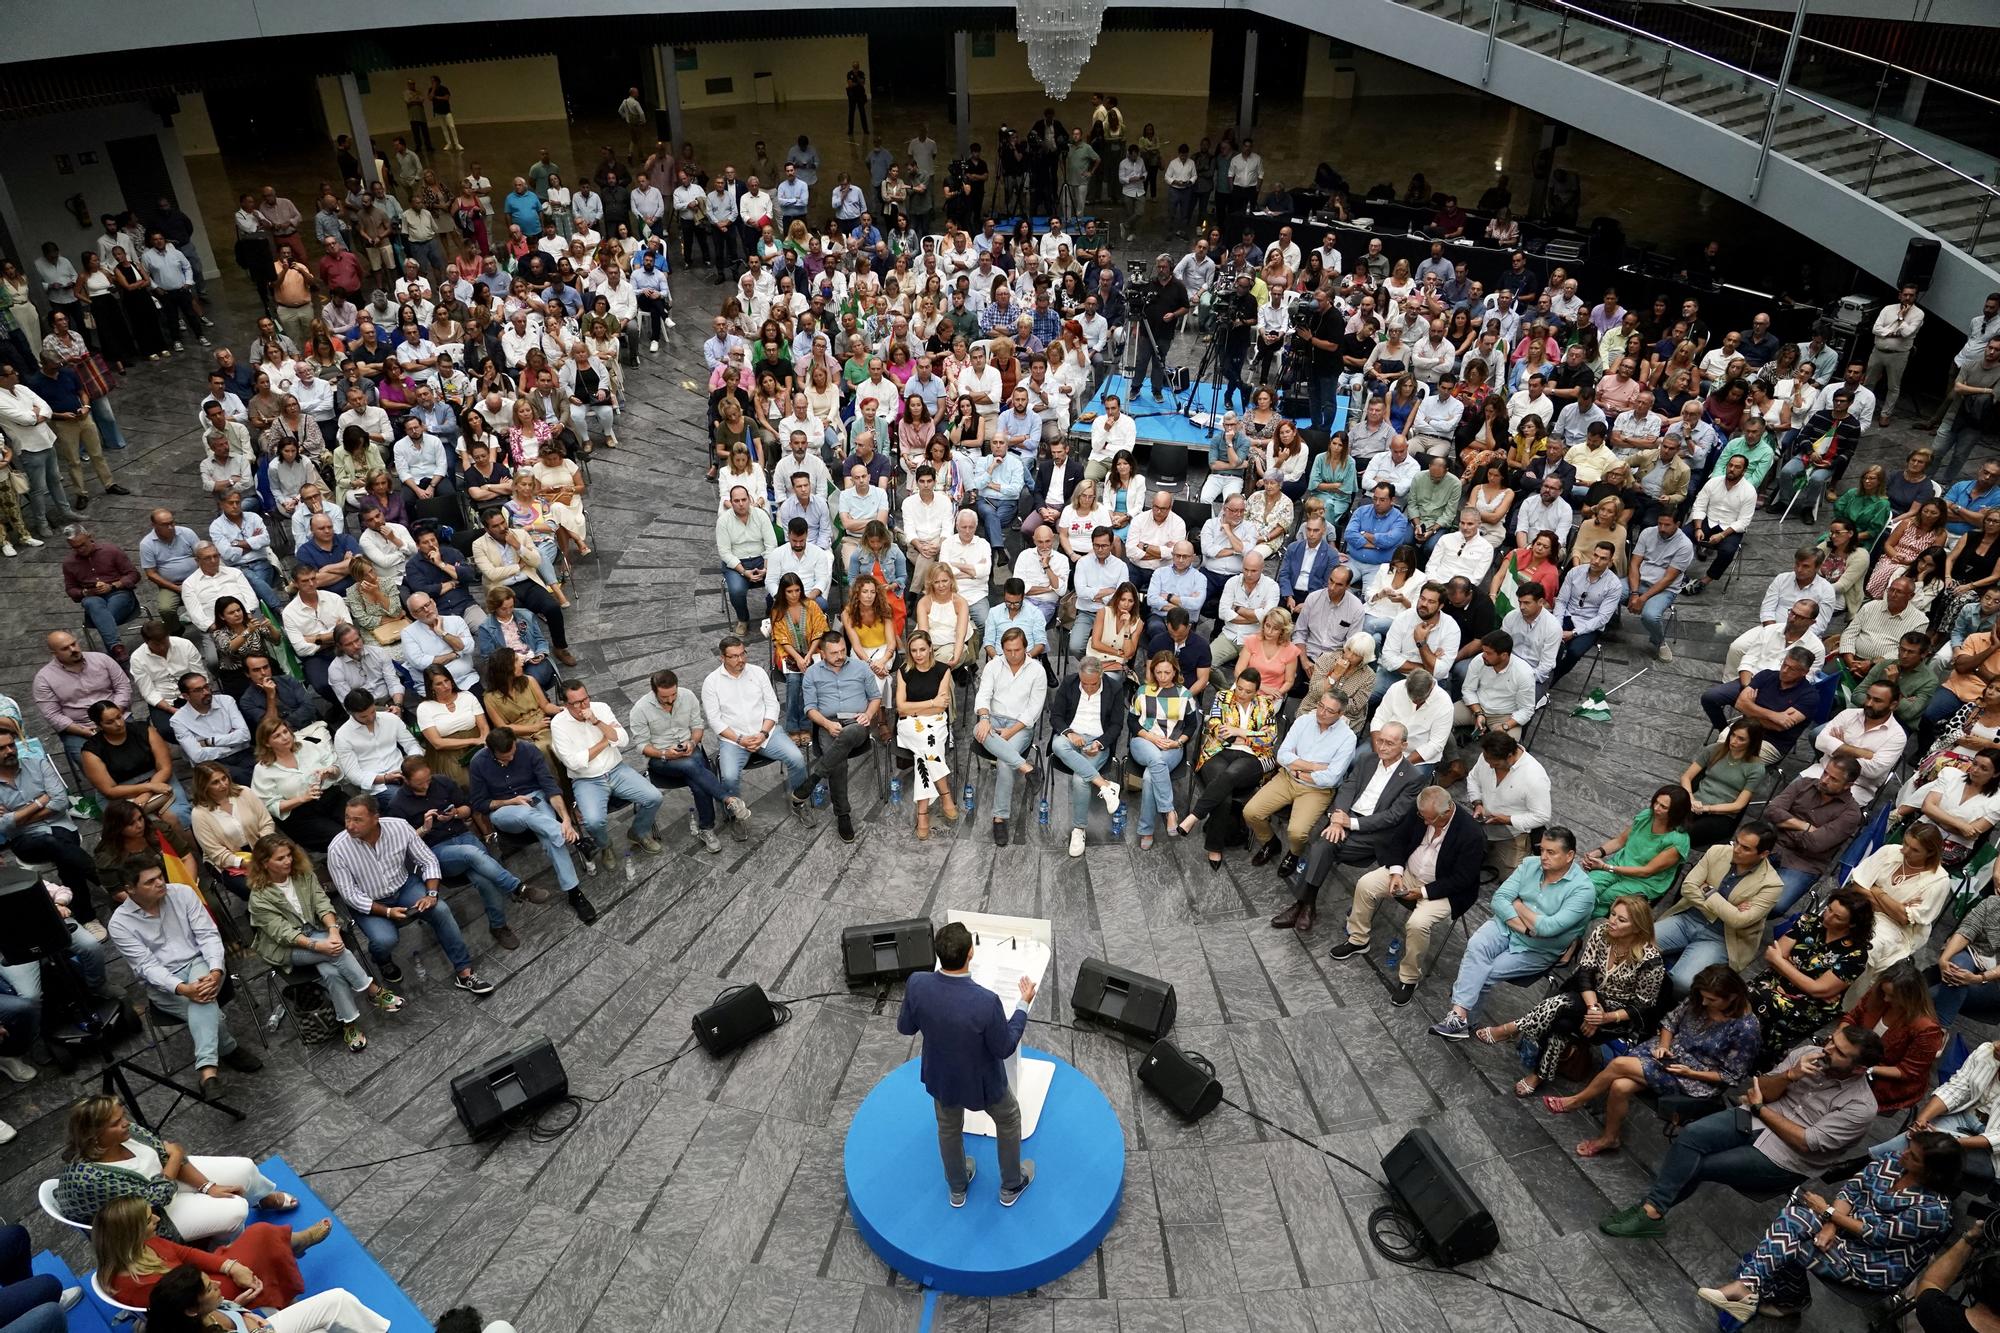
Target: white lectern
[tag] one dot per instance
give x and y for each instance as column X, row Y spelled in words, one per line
column 1005, row 949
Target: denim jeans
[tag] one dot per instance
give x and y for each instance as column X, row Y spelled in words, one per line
column 1325, row 400
column 539, row 822
column 1653, row 615
column 381, row 932
column 1490, row 957
column 1699, row 942
column 21, row 1289
column 1006, row 1113
column 739, row 587
column 1713, row 1148
column 22, row 1019
column 701, row 780
column 107, row 423
column 1797, row 884
column 46, row 505
column 259, row 573
column 1156, row 797
column 1978, row 1161
column 466, row 855
column 733, row 759
column 84, row 951
column 342, row 977
column 1984, row 997
column 1009, row 753
column 1085, row 767
column 1815, row 487
column 594, row 797
column 993, row 516
column 107, row 613
column 205, row 1022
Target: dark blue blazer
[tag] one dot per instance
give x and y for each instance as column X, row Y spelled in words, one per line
column 967, row 1035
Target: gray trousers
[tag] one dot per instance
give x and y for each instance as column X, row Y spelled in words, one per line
column 1006, row 1113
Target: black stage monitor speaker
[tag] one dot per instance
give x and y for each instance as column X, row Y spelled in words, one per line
column 31, row 930
column 1185, row 1082
column 887, row 951
column 737, row 1017
column 1920, row 259
column 1123, row 999
column 1455, row 1225
column 517, row 1084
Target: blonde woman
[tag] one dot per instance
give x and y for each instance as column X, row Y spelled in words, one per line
column 260, row 1267
column 106, row 1156
column 945, row 616
column 295, row 927
column 1084, row 514
column 923, row 727
column 531, row 508
column 297, row 780
column 741, row 471
column 228, row 820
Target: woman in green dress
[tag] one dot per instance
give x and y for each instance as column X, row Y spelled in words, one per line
column 1719, row 782
column 1644, row 858
column 1867, row 505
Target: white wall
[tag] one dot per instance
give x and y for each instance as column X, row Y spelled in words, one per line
column 1157, row 64
column 802, row 69
column 525, row 88
column 36, row 188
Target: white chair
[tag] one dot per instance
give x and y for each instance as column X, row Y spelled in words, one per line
column 125, row 1313
column 46, row 1193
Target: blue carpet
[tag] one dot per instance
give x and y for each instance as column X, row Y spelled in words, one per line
column 88, row 1316
column 1161, row 422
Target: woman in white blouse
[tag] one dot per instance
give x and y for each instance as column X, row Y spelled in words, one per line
column 741, row 472
column 228, row 820
column 1912, row 879
column 1392, row 590
column 1084, row 514
column 296, row 779
column 1961, row 803
column 452, row 722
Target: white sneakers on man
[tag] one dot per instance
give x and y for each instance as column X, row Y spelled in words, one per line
column 1076, row 842
column 14, row 1067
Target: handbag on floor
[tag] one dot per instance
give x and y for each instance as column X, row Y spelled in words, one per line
column 311, row 1012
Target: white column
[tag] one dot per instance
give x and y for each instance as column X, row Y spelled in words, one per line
column 961, row 66
column 1246, row 111
column 670, row 95
column 357, row 126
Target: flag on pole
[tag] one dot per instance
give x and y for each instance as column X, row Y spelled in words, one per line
column 1594, row 708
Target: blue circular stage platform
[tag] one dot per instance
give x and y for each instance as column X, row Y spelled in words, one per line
column 897, row 1197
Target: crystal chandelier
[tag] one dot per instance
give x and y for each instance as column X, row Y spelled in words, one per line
column 1058, row 35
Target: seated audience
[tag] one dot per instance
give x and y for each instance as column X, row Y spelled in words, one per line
column 1239, row 746
column 1538, row 913
column 260, row 1265
column 187, row 1300
column 1809, row 971
column 1312, row 760
column 1719, row 781
column 1643, row 858
column 1703, row 1047
column 390, row 878
column 1433, row 869
column 1723, row 903
column 106, row 1156
column 295, row 927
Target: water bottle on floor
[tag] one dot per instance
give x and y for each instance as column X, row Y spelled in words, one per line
column 819, row 795
column 1118, row 821
column 968, row 800
column 1042, row 812
column 1395, row 952
column 423, row 973
column 895, row 791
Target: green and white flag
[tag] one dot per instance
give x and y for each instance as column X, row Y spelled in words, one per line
column 1595, row 708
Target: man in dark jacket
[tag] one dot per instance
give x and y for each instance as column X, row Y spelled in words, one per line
column 1087, row 716
column 1430, row 862
column 967, row 1039
column 268, row 689
column 1040, row 502
column 1377, row 792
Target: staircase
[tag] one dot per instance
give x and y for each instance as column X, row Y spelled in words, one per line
column 1908, row 183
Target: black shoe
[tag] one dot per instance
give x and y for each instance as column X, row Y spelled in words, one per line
column 846, row 828
column 212, row 1088
column 585, row 911
column 999, row 833
column 242, row 1061
column 390, row 972
column 477, row 985
column 1265, row 853
column 1346, row 949
column 81, row 503
column 1402, row 992
column 115, row 489
column 1288, row 865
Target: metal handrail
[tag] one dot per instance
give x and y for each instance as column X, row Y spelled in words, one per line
column 1593, row 17
column 1930, row 79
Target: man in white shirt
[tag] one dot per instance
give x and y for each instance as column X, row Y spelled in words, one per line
column 309, row 620
column 1895, row 330
column 1802, row 582
column 928, row 517
column 435, row 639
column 1151, row 536
column 1111, row 432
column 1195, row 269
column 804, row 435
column 1421, row 638
column 1498, row 697
column 1096, row 578
column 1721, row 515
column 969, row 556
column 1862, row 404
column 1531, row 401
column 1225, row 539
column 588, row 740
column 1044, row 573
column 370, row 745
column 1012, row 691
column 388, row 546
column 1870, row 735
column 982, row 382
column 742, row 709
column 754, row 206
column 1432, row 355
column 1423, row 711
column 1054, row 239
column 1536, row 631
column 1462, row 552
column 213, row 580
column 1763, row 647
column 1508, row 792
column 1246, row 599
column 1544, row 511
column 1398, row 467
column 1638, row 428
column 811, row 562
column 1432, row 425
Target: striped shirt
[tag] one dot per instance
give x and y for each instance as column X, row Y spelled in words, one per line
column 365, row 874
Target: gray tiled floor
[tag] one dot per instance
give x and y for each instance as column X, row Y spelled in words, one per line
column 707, row 1196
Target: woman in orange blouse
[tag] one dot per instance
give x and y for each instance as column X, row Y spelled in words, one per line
column 1273, row 653
column 260, row 1268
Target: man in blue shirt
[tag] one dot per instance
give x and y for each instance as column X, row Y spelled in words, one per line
column 1963, row 503
column 523, row 207
column 329, row 552
column 865, row 233
column 76, row 433
column 996, row 482
column 1377, row 529
column 1543, row 906
column 1177, row 585
column 792, row 194
column 166, row 558
column 968, row 1036
column 1015, row 611
column 649, row 280
column 841, row 698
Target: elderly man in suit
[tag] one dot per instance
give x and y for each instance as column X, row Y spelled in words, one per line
column 1431, row 863
column 1378, row 791
column 967, row 1039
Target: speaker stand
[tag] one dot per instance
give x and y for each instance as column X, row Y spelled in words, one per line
column 114, row 1078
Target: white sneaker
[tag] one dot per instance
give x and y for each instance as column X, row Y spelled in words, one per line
column 97, row 931
column 709, row 840
column 70, row 1297
column 1665, row 652
column 1108, row 794
column 1076, row 842
column 180, row 347
column 668, row 320
column 7, row 549
column 653, row 346
column 206, row 343
column 14, row 1067
column 6, row 1132
column 32, row 540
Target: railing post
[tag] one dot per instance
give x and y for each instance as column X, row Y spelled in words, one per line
column 1874, row 161
column 1562, row 37
column 1979, row 226
column 1665, row 65
column 1756, row 44
column 1881, row 86
column 1777, row 101
column 1492, row 37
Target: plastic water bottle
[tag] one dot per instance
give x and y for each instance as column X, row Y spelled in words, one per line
column 969, row 800
column 423, row 973
column 1118, row 821
column 1042, row 812
column 819, row 795
column 895, row 791
column 1395, row 952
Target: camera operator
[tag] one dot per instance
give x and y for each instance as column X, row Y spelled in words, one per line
column 1013, row 173
column 1236, row 311
column 1274, row 321
column 1166, row 306
column 1938, row 1311
column 959, row 208
column 1324, row 333
column 977, row 174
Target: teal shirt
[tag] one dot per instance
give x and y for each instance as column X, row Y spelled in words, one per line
column 1758, row 461
column 1434, row 503
column 1561, row 909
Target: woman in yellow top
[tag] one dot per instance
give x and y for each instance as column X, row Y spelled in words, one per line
column 871, row 636
column 1238, row 746
column 797, row 625
column 514, row 700
column 1530, row 439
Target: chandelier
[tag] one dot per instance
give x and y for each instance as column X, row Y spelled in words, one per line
column 1058, row 35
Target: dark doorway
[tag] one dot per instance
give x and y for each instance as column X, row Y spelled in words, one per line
column 911, row 63
column 248, row 123
column 142, row 172
column 595, row 77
